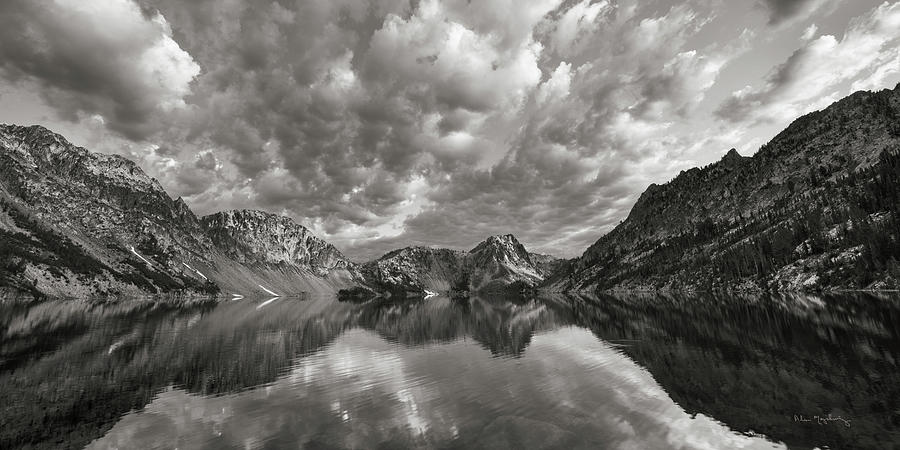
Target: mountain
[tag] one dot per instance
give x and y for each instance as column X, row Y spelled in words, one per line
column 256, row 237
column 815, row 208
column 415, row 269
column 261, row 253
column 74, row 223
column 499, row 263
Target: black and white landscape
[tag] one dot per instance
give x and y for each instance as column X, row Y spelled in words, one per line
column 449, row 224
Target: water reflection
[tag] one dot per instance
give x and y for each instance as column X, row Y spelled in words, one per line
column 551, row 372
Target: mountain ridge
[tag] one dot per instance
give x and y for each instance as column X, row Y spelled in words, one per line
column 776, row 220
column 253, row 236
column 80, row 223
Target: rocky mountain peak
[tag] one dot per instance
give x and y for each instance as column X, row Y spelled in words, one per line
column 502, row 258
column 34, row 137
column 501, row 244
column 259, row 237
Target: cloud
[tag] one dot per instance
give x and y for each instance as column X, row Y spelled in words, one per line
column 97, row 57
column 385, row 123
column 815, row 72
column 781, row 11
column 389, row 123
column 587, row 139
column 810, row 32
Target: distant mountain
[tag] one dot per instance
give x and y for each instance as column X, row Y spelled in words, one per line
column 815, row 208
column 499, row 263
column 414, row 269
column 256, row 237
column 75, row 224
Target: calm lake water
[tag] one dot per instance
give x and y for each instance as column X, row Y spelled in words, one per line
column 551, row 372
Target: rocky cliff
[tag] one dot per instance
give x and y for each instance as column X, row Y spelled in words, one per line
column 256, row 237
column 815, row 208
column 74, row 223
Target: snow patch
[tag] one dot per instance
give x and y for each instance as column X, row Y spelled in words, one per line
column 195, row 270
column 139, row 256
column 268, row 291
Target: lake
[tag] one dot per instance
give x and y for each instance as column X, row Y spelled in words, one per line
column 621, row 372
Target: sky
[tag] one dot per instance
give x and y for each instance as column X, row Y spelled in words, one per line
column 381, row 124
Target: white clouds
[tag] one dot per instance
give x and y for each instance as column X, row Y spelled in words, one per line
column 97, row 57
column 809, row 32
column 820, row 67
column 557, row 86
column 509, row 22
column 884, row 72
column 462, row 67
column 575, row 23
column 166, row 70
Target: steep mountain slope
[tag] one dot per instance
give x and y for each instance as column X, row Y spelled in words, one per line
column 256, row 237
column 497, row 263
column 255, row 249
column 77, row 223
column 817, row 207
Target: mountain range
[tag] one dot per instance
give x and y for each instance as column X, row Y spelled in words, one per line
column 815, row 208
column 75, row 223
column 499, row 264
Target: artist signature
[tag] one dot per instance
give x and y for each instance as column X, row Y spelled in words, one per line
column 822, row 420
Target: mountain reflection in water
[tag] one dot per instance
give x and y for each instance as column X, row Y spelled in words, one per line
column 549, row 372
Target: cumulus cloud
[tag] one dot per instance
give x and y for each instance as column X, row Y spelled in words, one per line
column 383, row 123
column 586, row 138
column 97, row 57
column 814, row 74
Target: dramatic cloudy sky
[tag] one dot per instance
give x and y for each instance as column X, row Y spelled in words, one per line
column 385, row 123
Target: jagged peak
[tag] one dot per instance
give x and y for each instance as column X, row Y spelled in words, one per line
column 497, row 240
column 497, row 245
